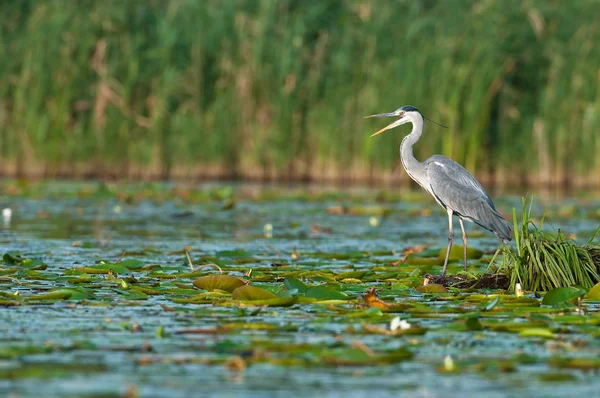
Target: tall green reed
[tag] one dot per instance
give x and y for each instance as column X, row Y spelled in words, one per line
column 278, row 87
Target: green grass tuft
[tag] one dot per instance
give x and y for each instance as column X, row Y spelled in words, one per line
column 543, row 261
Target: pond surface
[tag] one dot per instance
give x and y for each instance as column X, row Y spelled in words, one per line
column 71, row 327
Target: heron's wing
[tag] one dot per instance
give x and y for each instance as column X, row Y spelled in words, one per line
column 455, row 188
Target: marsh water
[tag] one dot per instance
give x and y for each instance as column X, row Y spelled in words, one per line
column 146, row 329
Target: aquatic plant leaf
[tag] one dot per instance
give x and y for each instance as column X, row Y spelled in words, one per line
column 432, row 288
column 561, row 295
column 132, row 263
column 575, row 363
column 105, row 268
column 226, row 283
column 457, row 253
column 12, row 259
column 62, row 294
column 414, row 259
column 537, row 332
column 249, row 292
column 351, row 275
column 594, row 292
column 239, row 253
column 273, row 302
column 292, row 283
column 33, row 263
column 325, row 293
column 362, row 357
column 473, row 324
column 492, row 303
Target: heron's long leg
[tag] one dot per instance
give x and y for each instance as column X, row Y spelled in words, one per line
column 450, row 239
column 465, row 239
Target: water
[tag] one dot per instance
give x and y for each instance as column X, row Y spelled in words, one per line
column 108, row 345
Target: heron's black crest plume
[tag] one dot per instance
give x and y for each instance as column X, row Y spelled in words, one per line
column 441, row 125
column 410, row 108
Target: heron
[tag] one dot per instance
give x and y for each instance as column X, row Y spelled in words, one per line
column 450, row 184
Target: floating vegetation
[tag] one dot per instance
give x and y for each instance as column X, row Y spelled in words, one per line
column 543, row 260
column 206, row 299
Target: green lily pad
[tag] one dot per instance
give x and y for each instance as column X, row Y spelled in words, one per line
column 226, row 283
column 240, row 253
column 492, row 303
column 132, row 263
column 414, row 259
column 432, row 288
column 561, row 295
column 273, row 302
column 358, row 357
column 105, row 268
column 325, row 293
column 575, row 363
column 537, row 332
column 594, row 292
column 249, row 292
column 62, row 294
column 351, row 275
column 292, row 283
column 473, row 324
column 457, row 253
column 12, row 258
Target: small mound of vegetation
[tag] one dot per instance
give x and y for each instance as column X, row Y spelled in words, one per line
column 544, row 261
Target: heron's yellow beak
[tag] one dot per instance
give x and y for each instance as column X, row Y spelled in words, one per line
column 389, row 126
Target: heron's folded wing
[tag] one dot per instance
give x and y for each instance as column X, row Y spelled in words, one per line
column 459, row 191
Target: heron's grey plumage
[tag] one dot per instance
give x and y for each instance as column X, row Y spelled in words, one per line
column 452, row 186
column 456, row 189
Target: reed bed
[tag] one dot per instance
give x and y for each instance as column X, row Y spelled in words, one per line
column 277, row 88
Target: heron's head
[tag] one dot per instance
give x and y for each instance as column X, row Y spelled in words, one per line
column 406, row 114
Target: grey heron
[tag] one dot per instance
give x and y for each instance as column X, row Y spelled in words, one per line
column 450, row 184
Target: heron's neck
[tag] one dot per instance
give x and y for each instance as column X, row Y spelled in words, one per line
column 414, row 168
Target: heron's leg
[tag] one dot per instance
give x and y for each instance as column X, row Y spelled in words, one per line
column 465, row 239
column 450, row 239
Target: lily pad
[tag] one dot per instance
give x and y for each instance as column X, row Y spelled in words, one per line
column 240, row 253
column 432, row 288
column 457, row 253
column 273, row 302
column 561, row 295
column 292, row 283
column 594, row 292
column 325, row 293
column 249, row 292
column 537, row 332
column 62, row 294
column 226, row 283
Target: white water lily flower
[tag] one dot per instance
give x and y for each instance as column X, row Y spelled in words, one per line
column 397, row 323
column 6, row 215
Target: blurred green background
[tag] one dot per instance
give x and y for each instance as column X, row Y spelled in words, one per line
column 278, row 88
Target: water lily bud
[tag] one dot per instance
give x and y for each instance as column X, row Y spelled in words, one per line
column 518, row 290
column 268, row 230
column 449, row 364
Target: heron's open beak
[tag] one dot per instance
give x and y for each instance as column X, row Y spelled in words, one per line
column 389, row 126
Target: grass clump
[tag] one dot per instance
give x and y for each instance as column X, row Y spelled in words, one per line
column 543, row 261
